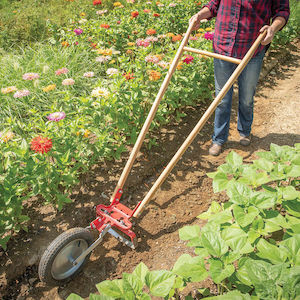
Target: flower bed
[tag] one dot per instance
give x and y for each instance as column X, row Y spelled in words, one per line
column 68, row 105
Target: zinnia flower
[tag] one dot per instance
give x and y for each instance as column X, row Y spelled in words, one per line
column 41, row 144
column 112, row 71
column 188, row 59
column 146, row 11
column 89, row 74
column 128, row 76
column 142, row 43
column 101, row 12
column 151, row 39
column 5, row 137
column 156, row 15
column 100, row 92
column 134, row 14
column 116, row 4
column 105, row 51
column 209, row 36
column 152, row 58
column 97, row 2
column 154, row 75
column 176, row 38
column 151, row 31
column 65, row 44
column 102, row 59
column 68, row 81
column 56, row 116
column 9, row 89
column 172, row 4
column 21, row 93
column 130, row 1
column 49, row 88
column 78, row 31
column 106, row 26
column 30, row 76
column 130, row 44
column 61, row 71
column 163, row 64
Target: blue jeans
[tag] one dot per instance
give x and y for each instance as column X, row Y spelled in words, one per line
column 247, row 82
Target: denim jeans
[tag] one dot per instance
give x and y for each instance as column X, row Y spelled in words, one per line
column 247, row 82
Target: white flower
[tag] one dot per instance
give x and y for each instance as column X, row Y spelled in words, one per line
column 81, row 21
column 100, row 92
column 112, row 71
column 89, row 74
column 102, row 58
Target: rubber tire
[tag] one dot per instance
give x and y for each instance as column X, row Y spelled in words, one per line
column 53, row 250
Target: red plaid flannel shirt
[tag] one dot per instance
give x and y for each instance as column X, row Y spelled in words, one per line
column 238, row 23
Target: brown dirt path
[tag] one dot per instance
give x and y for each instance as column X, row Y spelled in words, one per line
column 186, row 193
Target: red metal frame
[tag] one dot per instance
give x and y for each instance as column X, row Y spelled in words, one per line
column 116, row 214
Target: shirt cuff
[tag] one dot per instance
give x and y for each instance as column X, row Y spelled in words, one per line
column 213, row 9
column 283, row 14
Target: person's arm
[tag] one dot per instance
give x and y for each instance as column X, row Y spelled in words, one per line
column 280, row 16
column 277, row 24
column 207, row 12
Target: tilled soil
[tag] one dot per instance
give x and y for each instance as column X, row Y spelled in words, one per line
column 186, row 193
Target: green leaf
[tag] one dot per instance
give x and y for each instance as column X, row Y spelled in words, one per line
column 141, row 271
column 292, row 207
column 112, row 288
column 99, row 297
column 263, row 164
column 292, row 245
column 234, row 159
column 190, row 268
column 218, row 272
column 245, row 217
column 189, row 232
column 160, row 282
column 271, row 252
column 239, row 193
column 145, row 296
column 236, row 239
column 220, row 182
column 213, row 242
column 132, row 285
column 74, row 297
column 290, row 193
column 294, row 171
column 233, row 295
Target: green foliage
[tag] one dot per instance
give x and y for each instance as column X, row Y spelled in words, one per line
column 236, row 248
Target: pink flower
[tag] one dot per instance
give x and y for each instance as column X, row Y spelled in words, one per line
column 78, row 31
column 61, row 71
column 188, row 59
column 31, row 76
column 152, row 58
column 89, row 74
column 21, row 93
column 193, row 38
column 172, row 4
column 209, row 36
column 56, row 116
column 68, row 81
column 151, row 39
column 142, row 43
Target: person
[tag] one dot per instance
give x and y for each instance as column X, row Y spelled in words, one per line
column 238, row 24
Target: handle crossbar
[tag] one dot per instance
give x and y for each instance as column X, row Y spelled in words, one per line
column 215, row 55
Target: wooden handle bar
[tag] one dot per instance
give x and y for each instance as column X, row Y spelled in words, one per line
column 215, row 55
column 151, row 114
column 200, row 124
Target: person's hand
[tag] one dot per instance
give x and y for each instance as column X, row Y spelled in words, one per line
column 196, row 20
column 269, row 36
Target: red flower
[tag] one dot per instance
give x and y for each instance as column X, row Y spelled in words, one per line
column 94, row 45
column 156, row 15
column 106, row 26
column 41, row 144
column 97, row 2
column 134, row 14
column 188, row 59
column 128, row 76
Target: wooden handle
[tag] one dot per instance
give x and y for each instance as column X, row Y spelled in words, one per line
column 152, row 113
column 212, row 54
column 200, row 124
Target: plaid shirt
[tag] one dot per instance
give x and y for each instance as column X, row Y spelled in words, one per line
column 238, row 23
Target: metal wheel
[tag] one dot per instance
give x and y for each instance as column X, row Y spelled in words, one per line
column 56, row 265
